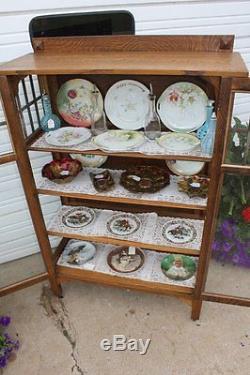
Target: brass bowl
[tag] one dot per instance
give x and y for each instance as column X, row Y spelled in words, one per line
column 145, row 179
column 194, row 186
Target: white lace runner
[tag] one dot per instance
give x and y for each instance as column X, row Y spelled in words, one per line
column 150, row 232
column 150, row 270
column 82, row 184
column 148, row 148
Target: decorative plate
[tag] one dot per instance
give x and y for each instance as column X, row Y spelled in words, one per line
column 79, row 252
column 75, row 102
column 179, row 231
column 67, row 136
column 185, row 167
column 119, row 140
column 126, row 104
column 145, row 179
column 178, row 267
column 182, row 107
column 121, row 260
column 88, row 160
column 123, row 224
column 179, row 142
column 78, row 217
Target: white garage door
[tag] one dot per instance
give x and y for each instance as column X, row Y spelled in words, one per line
column 152, row 17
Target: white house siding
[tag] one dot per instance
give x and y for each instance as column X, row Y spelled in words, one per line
column 152, row 17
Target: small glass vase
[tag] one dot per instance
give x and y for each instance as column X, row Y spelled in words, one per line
column 207, row 143
column 49, row 121
column 202, row 131
column 152, row 127
column 98, row 119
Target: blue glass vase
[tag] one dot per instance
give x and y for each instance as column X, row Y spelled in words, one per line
column 202, row 131
column 49, row 121
column 207, row 143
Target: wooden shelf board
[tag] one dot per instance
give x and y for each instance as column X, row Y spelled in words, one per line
column 102, row 198
column 70, row 150
column 120, row 242
column 225, row 64
column 66, row 274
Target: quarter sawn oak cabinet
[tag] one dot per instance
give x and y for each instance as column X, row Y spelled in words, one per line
column 208, row 61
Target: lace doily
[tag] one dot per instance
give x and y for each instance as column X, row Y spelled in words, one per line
column 150, row 271
column 150, row 231
column 82, row 184
column 148, row 148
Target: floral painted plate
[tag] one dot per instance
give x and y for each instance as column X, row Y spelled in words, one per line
column 182, row 107
column 79, row 252
column 75, row 102
column 185, row 167
column 120, row 259
column 178, row 267
column 123, row 224
column 67, row 136
column 178, row 231
column 119, row 140
column 179, row 142
column 78, row 217
column 126, row 104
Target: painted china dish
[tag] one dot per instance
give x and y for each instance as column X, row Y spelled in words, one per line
column 179, row 142
column 125, row 259
column 178, row 267
column 75, row 102
column 123, row 224
column 90, row 161
column 145, row 179
column 182, row 107
column 62, row 171
column 67, row 136
column 185, row 167
column 179, row 231
column 78, row 252
column 194, row 186
column 78, row 217
column 126, row 103
column 119, row 140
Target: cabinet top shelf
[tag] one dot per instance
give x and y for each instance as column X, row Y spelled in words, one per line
column 223, row 63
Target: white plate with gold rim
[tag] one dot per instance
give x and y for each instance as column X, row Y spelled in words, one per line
column 119, row 140
column 126, row 104
column 182, row 107
column 179, row 142
column 185, row 167
column 67, row 136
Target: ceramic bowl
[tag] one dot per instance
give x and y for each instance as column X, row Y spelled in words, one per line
column 62, row 171
column 91, row 161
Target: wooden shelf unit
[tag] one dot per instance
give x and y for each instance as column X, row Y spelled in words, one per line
column 208, row 61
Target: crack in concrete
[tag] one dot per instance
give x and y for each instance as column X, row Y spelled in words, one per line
column 56, row 310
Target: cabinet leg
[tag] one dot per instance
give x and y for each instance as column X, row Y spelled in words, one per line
column 56, row 288
column 196, row 309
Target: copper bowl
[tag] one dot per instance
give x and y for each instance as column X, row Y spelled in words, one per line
column 145, row 179
column 62, row 171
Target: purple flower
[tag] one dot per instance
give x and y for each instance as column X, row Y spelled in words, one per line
column 228, row 228
column 227, row 246
column 236, row 259
column 3, row 361
column 5, row 321
column 216, row 246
